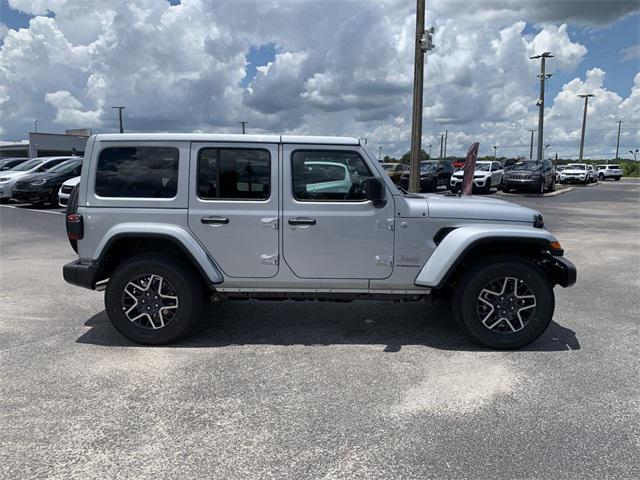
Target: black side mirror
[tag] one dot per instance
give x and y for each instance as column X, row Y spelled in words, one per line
column 373, row 189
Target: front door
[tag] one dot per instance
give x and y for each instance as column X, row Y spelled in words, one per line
column 233, row 206
column 329, row 229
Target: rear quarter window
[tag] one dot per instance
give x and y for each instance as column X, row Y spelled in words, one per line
column 137, row 172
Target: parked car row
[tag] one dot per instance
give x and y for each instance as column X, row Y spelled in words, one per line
column 38, row 180
column 578, row 173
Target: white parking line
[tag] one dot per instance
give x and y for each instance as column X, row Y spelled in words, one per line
column 21, row 207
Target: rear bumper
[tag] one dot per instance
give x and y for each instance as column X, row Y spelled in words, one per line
column 81, row 274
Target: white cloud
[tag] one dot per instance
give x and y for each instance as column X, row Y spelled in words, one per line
column 630, row 53
column 342, row 67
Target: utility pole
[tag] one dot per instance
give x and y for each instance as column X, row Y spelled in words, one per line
column 380, row 153
column 441, row 145
column 531, row 146
column 35, row 125
column 446, row 138
column 243, row 129
column 618, row 142
column 495, row 152
column 430, row 145
column 584, row 120
column 543, row 78
column 423, row 44
column 120, row 117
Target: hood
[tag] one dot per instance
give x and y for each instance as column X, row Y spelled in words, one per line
column 478, row 208
column 72, row 182
column 10, row 174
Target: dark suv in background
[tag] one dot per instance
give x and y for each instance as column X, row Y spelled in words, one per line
column 433, row 173
column 530, row 175
column 40, row 188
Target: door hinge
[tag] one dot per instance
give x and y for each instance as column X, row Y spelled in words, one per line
column 270, row 222
column 387, row 224
column 384, row 260
column 269, row 259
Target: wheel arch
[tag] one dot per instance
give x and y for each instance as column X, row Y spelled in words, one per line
column 123, row 242
column 463, row 245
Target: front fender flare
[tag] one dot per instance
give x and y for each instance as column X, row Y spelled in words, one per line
column 175, row 233
column 457, row 243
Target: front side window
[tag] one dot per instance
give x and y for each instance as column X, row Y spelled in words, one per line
column 234, row 174
column 328, row 175
column 137, row 172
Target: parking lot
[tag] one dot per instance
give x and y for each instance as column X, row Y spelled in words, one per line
column 325, row 390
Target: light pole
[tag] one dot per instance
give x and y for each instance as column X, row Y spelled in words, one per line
column 543, row 76
column 545, row 150
column 446, row 138
column 423, row 43
column 531, row 146
column 635, row 158
column 120, row 117
column 618, row 141
column 441, row 145
column 380, row 153
column 243, row 126
column 35, row 125
column 495, row 152
column 584, row 120
column 430, row 145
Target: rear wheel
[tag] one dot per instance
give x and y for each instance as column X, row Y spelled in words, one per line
column 503, row 302
column 487, row 187
column 601, row 177
column 153, row 299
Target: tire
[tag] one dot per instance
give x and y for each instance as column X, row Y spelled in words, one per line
column 553, row 185
column 3, row 201
column 617, row 179
column 176, row 287
column 487, row 187
column 453, row 189
column 601, row 177
column 72, row 207
column 541, row 189
column 484, row 277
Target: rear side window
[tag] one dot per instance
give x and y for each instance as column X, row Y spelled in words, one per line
column 138, row 172
column 328, row 175
column 614, row 167
column 234, row 174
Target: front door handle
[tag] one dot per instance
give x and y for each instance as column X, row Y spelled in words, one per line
column 215, row 220
column 302, row 221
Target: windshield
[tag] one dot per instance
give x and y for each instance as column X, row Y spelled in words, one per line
column 483, row 167
column 65, row 167
column 576, row 166
column 28, row 165
column 428, row 167
column 614, row 166
column 527, row 166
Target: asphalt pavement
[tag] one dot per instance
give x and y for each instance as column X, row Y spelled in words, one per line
column 321, row 390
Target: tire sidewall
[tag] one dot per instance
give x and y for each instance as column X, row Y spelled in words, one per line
column 535, row 279
column 182, row 279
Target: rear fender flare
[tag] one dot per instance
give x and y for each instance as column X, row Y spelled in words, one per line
column 174, row 233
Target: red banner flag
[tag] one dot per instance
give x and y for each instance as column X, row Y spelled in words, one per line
column 469, row 169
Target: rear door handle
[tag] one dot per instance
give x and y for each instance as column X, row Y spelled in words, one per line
column 215, row 220
column 302, row 221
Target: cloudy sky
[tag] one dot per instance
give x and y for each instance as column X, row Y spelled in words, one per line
column 324, row 67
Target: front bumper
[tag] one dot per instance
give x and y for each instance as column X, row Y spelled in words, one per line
column 561, row 270
column 521, row 182
column 81, row 274
column 567, row 179
column 31, row 194
column 477, row 182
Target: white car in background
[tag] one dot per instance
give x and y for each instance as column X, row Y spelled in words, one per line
column 609, row 171
column 65, row 190
column 8, row 178
column 487, row 175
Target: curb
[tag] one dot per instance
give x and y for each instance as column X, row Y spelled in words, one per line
column 537, row 195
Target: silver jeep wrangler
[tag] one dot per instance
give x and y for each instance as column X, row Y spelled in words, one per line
column 164, row 221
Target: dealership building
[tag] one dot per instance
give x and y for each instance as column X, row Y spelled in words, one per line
column 48, row 144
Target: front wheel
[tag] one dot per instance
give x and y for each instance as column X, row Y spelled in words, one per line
column 153, row 299
column 617, row 179
column 503, row 302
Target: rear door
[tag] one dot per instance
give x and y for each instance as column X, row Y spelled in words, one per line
column 233, row 206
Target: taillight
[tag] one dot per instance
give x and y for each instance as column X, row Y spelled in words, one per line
column 75, row 227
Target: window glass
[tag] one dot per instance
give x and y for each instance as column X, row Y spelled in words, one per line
column 138, row 172
column 50, row 164
column 611, row 167
column 328, row 175
column 233, row 173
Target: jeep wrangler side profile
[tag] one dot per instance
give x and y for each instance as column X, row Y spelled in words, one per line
column 163, row 222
